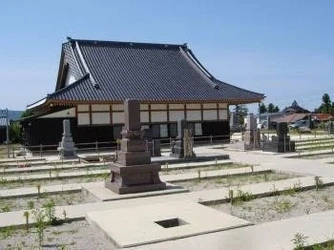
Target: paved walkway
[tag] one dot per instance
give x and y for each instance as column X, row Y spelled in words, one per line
column 273, row 235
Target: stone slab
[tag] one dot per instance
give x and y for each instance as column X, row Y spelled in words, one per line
column 277, row 235
column 138, row 225
column 104, row 194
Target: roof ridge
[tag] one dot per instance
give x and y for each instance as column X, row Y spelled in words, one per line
column 106, row 42
column 83, row 61
column 72, row 85
column 198, row 66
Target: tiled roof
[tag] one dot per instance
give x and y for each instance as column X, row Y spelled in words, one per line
column 115, row 71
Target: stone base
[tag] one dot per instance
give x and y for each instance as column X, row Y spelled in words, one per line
column 134, row 179
column 65, row 153
column 133, row 158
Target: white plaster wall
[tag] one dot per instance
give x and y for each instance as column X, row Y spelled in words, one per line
column 193, row 106
column 118, row 107
column 118, row 117
column 144, row 116
column 158, row 116
column 143, row 106
column 83, row 119
column 176, row 106
column 209, row 106
column 69, row 79
column 194, row 115
column 209, row 115
column 223, row 114
column 158, row 106
column 222, row 105
column 100, row 107
column 83, row 108
column 101, row 118
column 61, row 114
column 174, row 116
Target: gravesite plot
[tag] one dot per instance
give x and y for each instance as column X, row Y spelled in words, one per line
column 136, row 201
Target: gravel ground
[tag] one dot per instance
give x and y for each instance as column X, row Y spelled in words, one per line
column 290, row 204
column 229, row 181
column 208, row 168
column 53, row 181
column 60, row 199
column 75, row 235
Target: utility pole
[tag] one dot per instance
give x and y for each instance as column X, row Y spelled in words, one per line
column 5, row 114
column 7, row 132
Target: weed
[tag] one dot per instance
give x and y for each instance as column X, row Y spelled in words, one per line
column 30, row 205
column 282, row 205
column 299, row 241
column 39, row 216
column 243, row 196
column 50, row 213
column 6, row 232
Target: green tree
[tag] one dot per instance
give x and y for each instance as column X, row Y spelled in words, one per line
column 276, row 109
column 326, row 105
column 262, row 108
column 15, row 132
column 271, row 108
column 241, row 110
column 26, row 113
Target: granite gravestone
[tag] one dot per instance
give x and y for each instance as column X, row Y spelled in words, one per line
column 280, row 143
column 252, row 134
column 178, row 149
column 133, row 171
column 66, row 147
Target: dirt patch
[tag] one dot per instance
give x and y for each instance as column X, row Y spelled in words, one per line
column 202, row 168
column 282, row 206
column 31, row 202
column 229, row 181
column 74, row 235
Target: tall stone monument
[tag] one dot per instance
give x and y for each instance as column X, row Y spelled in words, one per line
column 133, row 171
column 66, row 147
column 252, row 134
column 178, row 146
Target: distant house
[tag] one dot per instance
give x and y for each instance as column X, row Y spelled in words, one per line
column 12, row 116
column 294, row 108
column 95, row 77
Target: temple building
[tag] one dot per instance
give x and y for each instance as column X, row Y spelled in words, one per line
column 95, row 77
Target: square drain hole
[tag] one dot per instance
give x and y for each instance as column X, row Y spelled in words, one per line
column 174, row 222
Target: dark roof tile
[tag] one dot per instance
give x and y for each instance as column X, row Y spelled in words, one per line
column 153, row 72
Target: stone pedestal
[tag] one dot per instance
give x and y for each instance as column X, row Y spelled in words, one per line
column 133, row 171
column 66, row 147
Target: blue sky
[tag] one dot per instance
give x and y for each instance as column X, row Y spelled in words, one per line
column 284, row 49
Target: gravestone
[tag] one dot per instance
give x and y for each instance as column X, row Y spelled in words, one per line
column 282, row 142
column 178, row 149
column 252, row 134
column 234, row 122
column 133, row 171
column 152, row 145
column 66, row 147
